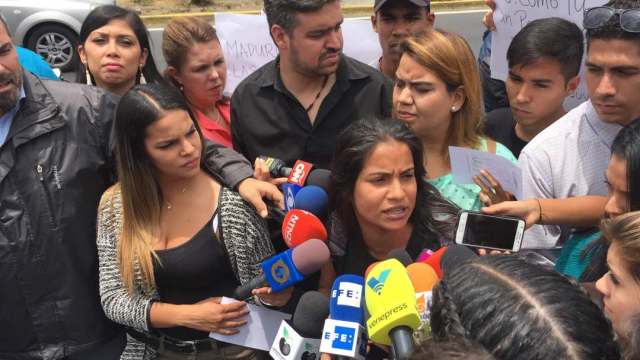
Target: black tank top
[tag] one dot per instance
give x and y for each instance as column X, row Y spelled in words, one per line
column 194, row 271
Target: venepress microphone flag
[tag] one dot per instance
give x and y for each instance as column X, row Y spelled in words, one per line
column 343, row 333
column 391, row 302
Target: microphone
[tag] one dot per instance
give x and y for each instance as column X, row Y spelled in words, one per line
column 301, row 339
column 287, row 268
column 401, row 255
column 391, row 302
column 299, row 226
column 343, row 333
column 424, row 279
column 434, row 261
column 306, row 175
column 312, row 199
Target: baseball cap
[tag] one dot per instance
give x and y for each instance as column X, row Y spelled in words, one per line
column 380, row 3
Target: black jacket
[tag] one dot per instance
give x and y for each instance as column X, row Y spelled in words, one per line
column 54, row 166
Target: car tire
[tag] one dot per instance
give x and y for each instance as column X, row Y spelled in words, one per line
column 56, row 44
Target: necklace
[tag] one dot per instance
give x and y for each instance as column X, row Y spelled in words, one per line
column 169, row 204
column 324, row 83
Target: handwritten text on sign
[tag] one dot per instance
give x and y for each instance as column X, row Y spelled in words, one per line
column 512, row 15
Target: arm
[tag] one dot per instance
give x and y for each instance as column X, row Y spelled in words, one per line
column 232, row 166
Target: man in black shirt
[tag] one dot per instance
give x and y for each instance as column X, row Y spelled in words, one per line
column 544, row 61
column 295, row 106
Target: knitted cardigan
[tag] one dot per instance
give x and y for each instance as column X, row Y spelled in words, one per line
column 245, row 238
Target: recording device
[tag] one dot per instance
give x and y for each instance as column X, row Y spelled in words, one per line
column 435, row 259
column 489, row 231
column 424, row 279
column 310, row 198
column 287, row 268
column 391, row 302
column 299, row 226
column 401, row 255
column 343, row 334
column 454, row 257
column 304, row 174
column 301, row 339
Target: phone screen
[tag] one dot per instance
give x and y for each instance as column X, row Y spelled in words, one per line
column 489, row 231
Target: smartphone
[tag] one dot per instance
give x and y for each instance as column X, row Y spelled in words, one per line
column 489, row 231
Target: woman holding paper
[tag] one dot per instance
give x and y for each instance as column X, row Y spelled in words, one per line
column 437, row 94
column 196, row 65
column 171, row 239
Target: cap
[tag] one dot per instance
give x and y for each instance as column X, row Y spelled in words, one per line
column 380, row 3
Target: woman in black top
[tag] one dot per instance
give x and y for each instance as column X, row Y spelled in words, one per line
column 380, row 199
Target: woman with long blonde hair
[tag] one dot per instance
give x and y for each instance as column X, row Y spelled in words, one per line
column 171, row 239
column 437, row 94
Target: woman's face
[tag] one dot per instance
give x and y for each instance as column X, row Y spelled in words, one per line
column 621, row 292
column 113, row 55
column 203, row 74
column 618, row 202
column 421, row 99
column 173, row 145
column 384, row 195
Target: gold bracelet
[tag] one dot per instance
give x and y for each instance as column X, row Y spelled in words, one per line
column 540, row 210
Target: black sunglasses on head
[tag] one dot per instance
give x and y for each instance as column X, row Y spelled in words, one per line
column 598, row 17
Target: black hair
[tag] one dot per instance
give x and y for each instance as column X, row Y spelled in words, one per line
column 625, row 146
column 612, row 29
column 517, row 310
column 283, row 12
column 388, row 3
column 3, row 21
column 100, row 17
column 432, row 213
column 552, row 38
column 454, row 348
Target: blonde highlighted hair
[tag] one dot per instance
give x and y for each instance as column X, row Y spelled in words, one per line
column 624, row 231
column 450, row 58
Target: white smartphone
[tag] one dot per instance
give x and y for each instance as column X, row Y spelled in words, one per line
column 489, row 231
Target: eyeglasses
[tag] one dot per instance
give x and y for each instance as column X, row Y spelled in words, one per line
column 598, row 17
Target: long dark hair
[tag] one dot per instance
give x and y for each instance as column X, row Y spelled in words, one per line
column 140, row 192
column 517, row 310
column 432, row 213
column 100, row 17
column 625, row 146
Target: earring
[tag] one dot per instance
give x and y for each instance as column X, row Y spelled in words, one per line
column 141, row 76
column 453, row 109
column 87, row 74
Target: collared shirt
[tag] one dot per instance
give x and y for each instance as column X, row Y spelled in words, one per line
column 7, row 118
column 266, row 119
column 567, row 159
column 211, row 129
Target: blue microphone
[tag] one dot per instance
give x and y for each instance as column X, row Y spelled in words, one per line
column 287, row 268
column 343, row 334
column 312, row 199
column 290, row 191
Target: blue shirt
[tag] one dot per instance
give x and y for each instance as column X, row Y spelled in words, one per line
column 7, row 118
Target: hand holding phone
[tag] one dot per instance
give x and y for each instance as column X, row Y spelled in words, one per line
column 489, row 231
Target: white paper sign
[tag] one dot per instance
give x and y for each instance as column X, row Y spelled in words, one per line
column 259, row 331
column 467, row 163
column 512, row 15
column 247, row 44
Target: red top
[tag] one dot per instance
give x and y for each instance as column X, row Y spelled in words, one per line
column 211, row 130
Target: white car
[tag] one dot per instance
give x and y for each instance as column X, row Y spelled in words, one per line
column 50, row 28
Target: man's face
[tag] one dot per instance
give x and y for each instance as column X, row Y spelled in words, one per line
column 537, row 91
column 613, row 79
column 396, row 21
column 10, row 73
column 314, row 45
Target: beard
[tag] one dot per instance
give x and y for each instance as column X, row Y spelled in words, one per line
column 314, row 70
column 9, row 100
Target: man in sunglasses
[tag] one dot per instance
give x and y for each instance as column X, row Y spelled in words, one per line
column 568, row 159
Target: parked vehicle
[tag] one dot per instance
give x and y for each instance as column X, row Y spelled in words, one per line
column 50, row 28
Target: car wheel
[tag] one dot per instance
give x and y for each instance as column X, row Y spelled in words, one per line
column 56, row 44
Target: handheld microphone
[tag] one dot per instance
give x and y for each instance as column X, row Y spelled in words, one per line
column 312, row 199
column 287, row 268
column 301, row 339
column 424, row 255
column 401, row 255
column 306, row 173
column 391, row 302
column 423, row 278
column 434, row 261
column 455, row 256
column 299, row 226
column 343, row 333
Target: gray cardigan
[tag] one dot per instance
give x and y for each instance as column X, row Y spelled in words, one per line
column 244, row 235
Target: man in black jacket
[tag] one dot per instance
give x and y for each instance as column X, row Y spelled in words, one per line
column 55, row 162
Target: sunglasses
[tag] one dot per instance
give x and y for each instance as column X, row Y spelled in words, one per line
column 598, row 17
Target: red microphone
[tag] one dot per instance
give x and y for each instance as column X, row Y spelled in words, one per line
column 434, row 261
column 300, row 225
column 299, row 172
